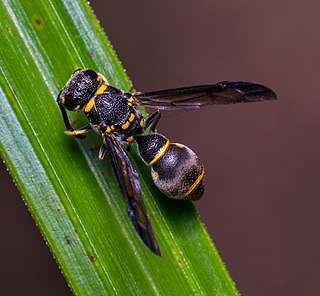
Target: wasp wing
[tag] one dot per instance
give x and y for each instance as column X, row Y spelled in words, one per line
column 128, row 180
column 194, row 97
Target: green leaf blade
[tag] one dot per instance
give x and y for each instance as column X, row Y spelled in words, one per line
column 74, row 197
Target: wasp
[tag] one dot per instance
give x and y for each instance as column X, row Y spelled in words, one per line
column 176, row 170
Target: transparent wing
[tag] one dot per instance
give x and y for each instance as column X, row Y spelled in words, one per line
column 128, row 180
column 194, row 97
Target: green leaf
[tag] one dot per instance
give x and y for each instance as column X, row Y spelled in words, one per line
column 73, row 197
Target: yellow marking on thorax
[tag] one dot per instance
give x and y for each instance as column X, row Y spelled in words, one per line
column 194, row 185
column 125, row 125
column 142, row 122
column 101, row 89
column 109, row 128
column 89, row 105
column 161, row 152
column 130, row 101
column 77, row 108
column 130, row 139
column 128, row 122
column 131, row 117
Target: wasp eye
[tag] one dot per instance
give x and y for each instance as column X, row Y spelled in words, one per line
column 92, row 74
column 77, row 71
column 69, row 102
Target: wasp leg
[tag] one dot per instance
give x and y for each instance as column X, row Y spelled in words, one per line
column 79, row 133
column 153, row 120
column 65, row 118
column 102, row 152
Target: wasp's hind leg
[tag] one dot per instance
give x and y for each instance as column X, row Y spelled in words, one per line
column 153, row 120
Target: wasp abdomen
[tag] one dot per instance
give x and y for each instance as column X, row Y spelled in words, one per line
column 176, row 169
column 152, row 147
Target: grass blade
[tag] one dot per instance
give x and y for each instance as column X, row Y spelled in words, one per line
column 72, row 196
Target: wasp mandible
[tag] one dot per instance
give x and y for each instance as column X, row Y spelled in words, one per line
column 176, row 169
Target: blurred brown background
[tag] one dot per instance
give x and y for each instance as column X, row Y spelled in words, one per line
column 262, row 160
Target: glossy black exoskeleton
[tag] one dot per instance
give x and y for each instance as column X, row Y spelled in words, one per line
column 176, row 169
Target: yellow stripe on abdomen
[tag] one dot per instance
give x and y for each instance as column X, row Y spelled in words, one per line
column 161, row 152
column 194, row 185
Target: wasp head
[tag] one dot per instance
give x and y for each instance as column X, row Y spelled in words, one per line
column 79, row 89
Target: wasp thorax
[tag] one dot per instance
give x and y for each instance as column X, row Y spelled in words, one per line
column 79, row 89
column 176, row 170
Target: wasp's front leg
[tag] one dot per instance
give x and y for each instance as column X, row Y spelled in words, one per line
column 70, row 131
column 79, row 133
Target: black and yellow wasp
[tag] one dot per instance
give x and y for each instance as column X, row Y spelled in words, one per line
column 176, row 170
